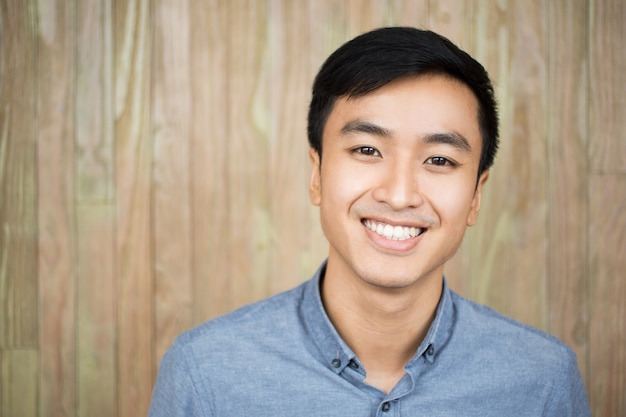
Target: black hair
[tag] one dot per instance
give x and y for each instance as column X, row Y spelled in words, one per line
column 376, row 58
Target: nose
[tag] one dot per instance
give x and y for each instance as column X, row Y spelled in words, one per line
column 399, row 185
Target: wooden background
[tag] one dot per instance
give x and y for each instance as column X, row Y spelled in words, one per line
column 154, row 174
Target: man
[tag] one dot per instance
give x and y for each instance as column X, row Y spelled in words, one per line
column 403, row 129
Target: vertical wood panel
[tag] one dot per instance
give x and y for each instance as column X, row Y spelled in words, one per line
column 94, row 136
column 133, row 153
column 608, row 83
column 18, row 218
column 209, row 160
column 290, row 74
column 409, row 13
column 171, row 102
column 248, row 220
column 528, row 193
column 567, row 173
column 96, row 313
column 94, row 176
column 447, row 17
column 18, row 372
column 607, row 200
column 607, row 223
column 168, row 142
column 57, row 246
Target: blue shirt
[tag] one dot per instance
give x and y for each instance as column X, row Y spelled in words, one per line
column 282, row 357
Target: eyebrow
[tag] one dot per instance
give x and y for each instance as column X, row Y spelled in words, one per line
column 360, row 126
column 454, row 139
column 449, row 138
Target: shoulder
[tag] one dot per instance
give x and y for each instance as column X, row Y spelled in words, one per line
column 507, row 340
column 244, row 328
column 506, row 356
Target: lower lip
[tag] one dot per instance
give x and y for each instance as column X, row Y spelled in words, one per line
column 397, row 246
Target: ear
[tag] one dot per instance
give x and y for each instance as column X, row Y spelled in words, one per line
column 315, row 187
column 475, row 207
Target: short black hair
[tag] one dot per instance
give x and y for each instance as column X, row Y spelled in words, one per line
column 376, row 58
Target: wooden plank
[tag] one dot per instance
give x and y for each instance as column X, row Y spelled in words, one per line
column 607, row 83
column 96, row 359
column 448, row 18
column 408, row 13
column 248, row 223
column 56, row 216
column 18, row 192
column 365, row 15
column 95, row 326
column 209, row 160
column 93, row 95
column 171, row 95
column 567, row 173
column 133, row 158
column 289, row 79
column 19, row 371
column 607, row 208
column 526, row 280
column 607, row 246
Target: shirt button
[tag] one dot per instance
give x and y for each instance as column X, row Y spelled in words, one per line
column 386, row 406
column 430, row 351
column 336, row 363
column 352, row 364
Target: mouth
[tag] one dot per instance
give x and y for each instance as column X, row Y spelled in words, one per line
column 392, row 232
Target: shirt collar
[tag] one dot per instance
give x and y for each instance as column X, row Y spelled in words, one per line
column 336, row 353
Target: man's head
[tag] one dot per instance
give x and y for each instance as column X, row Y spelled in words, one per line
column 376, row 58
column 408, row 127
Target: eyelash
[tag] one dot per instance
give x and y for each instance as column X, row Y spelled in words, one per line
column 366, row 151
column 440, row 161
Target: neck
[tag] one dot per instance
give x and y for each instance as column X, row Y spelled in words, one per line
column 383, row 326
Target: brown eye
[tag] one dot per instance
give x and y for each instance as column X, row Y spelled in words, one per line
column 440, row 161
column 367, row 150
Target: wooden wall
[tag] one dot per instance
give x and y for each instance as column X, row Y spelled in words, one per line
column 153, row 174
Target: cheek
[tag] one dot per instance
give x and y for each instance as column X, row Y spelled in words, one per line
column 453, row 203
column 342, row 184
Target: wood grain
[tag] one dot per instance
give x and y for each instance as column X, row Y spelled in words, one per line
column 18, row 370
column 567, row 175
column 607, row 223
column 18, row 188
column 133, row 184
column 93, row 99
column 171, row 101
column 56, row 212
column 96, row 318
column 248, row 225
column 154, row 174
column 209, row 161
column 607, row 103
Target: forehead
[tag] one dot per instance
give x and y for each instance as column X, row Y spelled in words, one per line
column 414, row 106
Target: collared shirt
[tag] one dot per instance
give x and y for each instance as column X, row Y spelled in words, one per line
column 282, row 357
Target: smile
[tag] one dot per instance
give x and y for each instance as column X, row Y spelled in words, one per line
column 393, row 232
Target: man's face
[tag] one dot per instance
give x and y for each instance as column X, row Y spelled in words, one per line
column 397, row 183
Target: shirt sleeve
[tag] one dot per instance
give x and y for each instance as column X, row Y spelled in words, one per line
column 570, row 397
column 175, row 392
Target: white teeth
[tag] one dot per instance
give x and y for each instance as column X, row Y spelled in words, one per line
column 393, row 232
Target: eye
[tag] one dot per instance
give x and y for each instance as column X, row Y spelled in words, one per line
column 366, row 150
column 440, row 161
